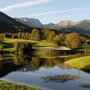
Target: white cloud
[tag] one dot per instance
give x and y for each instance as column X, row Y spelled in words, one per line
column 24, row 4
column 55, row 12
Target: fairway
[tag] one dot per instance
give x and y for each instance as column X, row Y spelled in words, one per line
column 80, row 63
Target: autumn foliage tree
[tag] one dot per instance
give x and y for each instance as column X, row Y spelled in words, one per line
column 45, row 34
column 35, row 35
column 51, row 36
column 59, row 39
column 73, row 40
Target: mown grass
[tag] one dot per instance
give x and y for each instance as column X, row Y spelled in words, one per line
column 85, row 46
column 8, row 40
column 82, row 63
column 13, row 86
column 8, row 43
column 45, row 44
column 35, row 43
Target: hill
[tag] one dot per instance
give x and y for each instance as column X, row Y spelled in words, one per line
column 30, row 22
column 81, row 27
column 8, row 24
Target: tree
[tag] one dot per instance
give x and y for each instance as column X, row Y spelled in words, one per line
column 51, row 36
column 59, row 39
column 2, row 36
column 73, row 40
column 35, row 35
column 45, row 33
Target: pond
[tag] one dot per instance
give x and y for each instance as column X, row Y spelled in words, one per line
column 46, row 71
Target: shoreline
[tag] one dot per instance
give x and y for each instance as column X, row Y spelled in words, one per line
column 20, row 83
column 4, row 84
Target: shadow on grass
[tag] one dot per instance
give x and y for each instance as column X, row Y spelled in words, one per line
column 7, row 45
column 86, row 68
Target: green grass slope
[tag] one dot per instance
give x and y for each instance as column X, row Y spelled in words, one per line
column 82, row 63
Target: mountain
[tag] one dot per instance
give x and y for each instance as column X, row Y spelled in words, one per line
column 30, row 22
column 63, row 24
column 84, row 24
column 8, row 24
column 82, row 27
column 50, row 25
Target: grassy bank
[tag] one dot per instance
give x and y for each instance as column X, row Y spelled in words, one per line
column 8, row 44
column 13, row 86
column 35, row 43
column 82, row 63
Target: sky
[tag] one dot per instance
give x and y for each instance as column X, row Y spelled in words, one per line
column 47, row 11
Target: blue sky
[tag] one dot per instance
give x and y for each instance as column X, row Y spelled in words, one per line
column 47, row 10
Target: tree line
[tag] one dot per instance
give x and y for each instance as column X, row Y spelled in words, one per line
column 70, row 39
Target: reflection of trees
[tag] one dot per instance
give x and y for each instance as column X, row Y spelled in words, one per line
column 51, row 53
column 45, row 62
column 18, row 59
column 36, row 62
column 6, row 68
column 43, row 53
column 51, row 62
column 12, row 62
column 21, row 59
column 60, row 78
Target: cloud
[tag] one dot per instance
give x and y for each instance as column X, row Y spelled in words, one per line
column 24, row 4
column 56, row 12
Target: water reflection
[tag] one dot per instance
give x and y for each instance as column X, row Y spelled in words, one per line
column 5, row 68
column 85, row 85
column 37, row 62
column 46, row 59
column 41, row 67
column 12, row 62
column 60, row 78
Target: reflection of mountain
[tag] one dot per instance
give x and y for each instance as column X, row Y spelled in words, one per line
column 63, row 66
column 36, row 63
column 27, row 68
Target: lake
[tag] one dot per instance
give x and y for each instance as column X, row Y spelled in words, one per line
column 42, row 70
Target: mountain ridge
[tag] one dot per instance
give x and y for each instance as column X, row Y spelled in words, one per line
column 32, row 22
column 8, row 24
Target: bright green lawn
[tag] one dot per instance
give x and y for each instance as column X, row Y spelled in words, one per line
column 45, row 44
column 35, row 43
column 85, row 46
column 8, row 43
column 80, row 63
column 18, row 40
